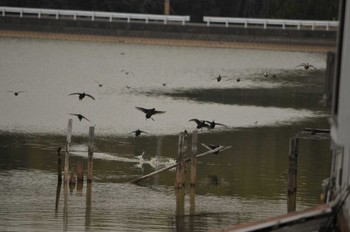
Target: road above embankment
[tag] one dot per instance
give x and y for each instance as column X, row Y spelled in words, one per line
column 170, row 35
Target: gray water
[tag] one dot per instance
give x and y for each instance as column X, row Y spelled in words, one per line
column 245, row 183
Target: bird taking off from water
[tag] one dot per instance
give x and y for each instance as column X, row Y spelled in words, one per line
column 80, row 117
column 149, row 112
column 16, row 92
column 138, row 132
column 82, row 95
column 200, row 123
column 306, row 66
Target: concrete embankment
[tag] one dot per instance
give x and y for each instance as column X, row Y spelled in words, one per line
column 170, row 34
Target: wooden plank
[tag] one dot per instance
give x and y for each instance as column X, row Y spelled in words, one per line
column 282, row 222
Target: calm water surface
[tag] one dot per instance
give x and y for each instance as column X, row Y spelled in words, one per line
column 247, row 182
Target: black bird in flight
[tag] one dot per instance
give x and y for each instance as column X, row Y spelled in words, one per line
column 80, row 117
column 16, row 92
column 82, row 95
column 149, row 112
column 99, row 84
column 127, row 72
column 306, row 66
column 212, row 124
column 200, row 123
column 218, row 78
column 138, row 132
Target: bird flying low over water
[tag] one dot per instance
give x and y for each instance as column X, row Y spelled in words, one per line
column 80, row 117
column 16, row 92
column 305, row 65
column 138, row 132
column 82, row 95
column 200, row 123
column 212, row 124
column 149, row 112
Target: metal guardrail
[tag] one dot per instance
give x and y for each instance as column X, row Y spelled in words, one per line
column 283, row 23
column 76, row 14
column 93, row 15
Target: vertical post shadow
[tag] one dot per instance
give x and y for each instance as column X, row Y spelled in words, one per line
column 58, row 193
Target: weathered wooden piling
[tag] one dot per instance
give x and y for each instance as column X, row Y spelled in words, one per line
column 80, row 171
column 194, row 158
column 328, row 85
column 180, row 168
column 66, row 157
column 59, row 165
column 90, row 153
column 292, row 173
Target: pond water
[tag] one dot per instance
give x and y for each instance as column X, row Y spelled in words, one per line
column 247, row 182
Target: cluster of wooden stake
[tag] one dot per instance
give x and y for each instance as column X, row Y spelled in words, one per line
column 69, row 176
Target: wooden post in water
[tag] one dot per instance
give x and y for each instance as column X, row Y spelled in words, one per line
column 292, row 174
column 328, row 85
column 180, row 168
column 194, row 158
column 90, row 153
column 59, row 165
column 66, row 157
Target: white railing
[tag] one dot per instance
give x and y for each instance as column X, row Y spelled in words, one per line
column 283, row 23
column 93, row 15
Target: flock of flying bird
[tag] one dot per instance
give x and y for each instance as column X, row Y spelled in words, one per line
column 150, row 112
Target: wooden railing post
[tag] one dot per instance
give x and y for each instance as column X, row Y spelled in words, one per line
column 292, row 174
column 90, row 153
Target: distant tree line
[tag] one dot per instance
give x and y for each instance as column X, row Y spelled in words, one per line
column 286, row 9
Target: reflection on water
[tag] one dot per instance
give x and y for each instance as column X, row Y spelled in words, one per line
column 246, row 182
